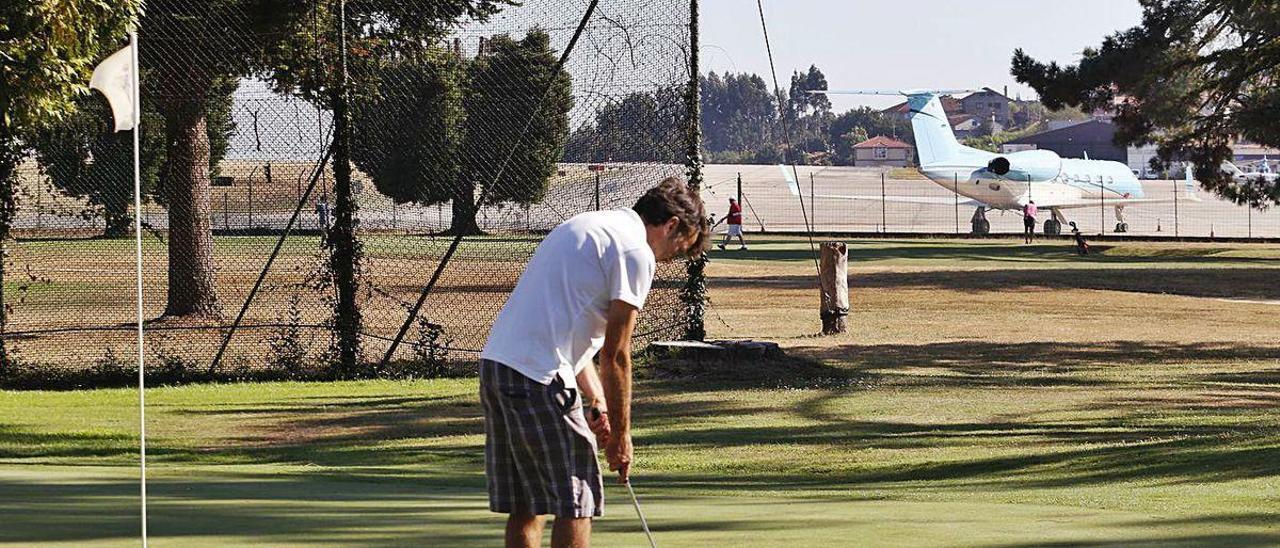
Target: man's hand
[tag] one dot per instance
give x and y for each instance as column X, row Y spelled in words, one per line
column 598, row 421
column 619, row 454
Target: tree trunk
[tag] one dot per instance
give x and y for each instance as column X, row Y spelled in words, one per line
column 116, row 215
column 191, row 274
column 10, row 155
column 344, row 249
column 464, row 211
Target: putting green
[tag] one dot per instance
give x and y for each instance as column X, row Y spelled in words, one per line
column 1117, row 400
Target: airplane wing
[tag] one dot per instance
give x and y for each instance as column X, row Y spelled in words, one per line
column 1190, row 195
column 794, row 188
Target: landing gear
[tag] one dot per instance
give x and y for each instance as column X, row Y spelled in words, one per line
column 1121, row 226
column 1052, row 227
column 981, row 226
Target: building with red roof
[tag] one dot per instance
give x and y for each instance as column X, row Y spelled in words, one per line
column 883, row 151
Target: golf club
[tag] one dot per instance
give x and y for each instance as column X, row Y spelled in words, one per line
column 635, row 501
column 595, row 416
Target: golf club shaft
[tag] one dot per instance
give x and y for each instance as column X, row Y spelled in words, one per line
column 636, row 502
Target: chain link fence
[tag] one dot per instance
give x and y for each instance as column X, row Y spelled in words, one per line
column 459, row 120
column 900, row 200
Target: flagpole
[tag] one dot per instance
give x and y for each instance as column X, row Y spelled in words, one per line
column 137, row 240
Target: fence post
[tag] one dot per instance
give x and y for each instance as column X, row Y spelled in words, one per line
column 955, row 189
column 739, row 189
column 597, row 191
column 1250, row 222
column 1175, row 209
column 813, row 216
column 884, row 223
column 226, row 222
column 1102, row 207
column 833, row 274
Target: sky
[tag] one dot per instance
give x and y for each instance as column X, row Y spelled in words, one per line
column 952, row 44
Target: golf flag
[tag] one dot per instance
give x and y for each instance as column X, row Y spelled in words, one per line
column 114, row 78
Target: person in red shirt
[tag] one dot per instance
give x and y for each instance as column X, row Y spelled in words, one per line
column 734, row 218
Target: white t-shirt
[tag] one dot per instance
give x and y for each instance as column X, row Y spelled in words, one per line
column 554, row 321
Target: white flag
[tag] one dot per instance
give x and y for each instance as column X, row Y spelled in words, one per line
column 114, row 78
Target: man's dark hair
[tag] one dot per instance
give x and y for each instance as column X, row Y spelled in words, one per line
column 673, row 198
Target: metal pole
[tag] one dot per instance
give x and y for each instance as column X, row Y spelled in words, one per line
column 955, row 189
column 884, row 224
column 137, row 239
column 813, row 219
column 1250, row 222
column 597, row 191
column 251, row 201
column 1102, row 207
column 1175, row 209
column 226, row 223
column 739, row 188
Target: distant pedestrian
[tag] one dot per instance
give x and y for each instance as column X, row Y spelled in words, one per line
column 322, row 215
column 734, row 220
column 1029, row 222
column 1082, row 247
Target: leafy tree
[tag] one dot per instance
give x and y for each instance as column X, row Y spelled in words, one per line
column 638, row 128
column 408, row 132
column 844, row 153
column 47, row 53
column 192, row 49
column 505, row 90
column 83, row 157
column 739, row 114
column 1194, row 76
column 192, row 46
column 801, row 84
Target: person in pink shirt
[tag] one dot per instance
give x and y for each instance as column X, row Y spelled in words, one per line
column 1029, row 222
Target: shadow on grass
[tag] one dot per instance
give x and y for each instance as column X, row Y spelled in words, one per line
column 1226, row 283
column 71, row 510
column 980, row 363
column 21, row 443
column 861, row 251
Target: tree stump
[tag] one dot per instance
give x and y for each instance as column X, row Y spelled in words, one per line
column 833, row 276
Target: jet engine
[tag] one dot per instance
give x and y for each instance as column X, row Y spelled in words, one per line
column 1027, row 165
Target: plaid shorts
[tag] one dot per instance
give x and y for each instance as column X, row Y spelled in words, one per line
column 539, row 453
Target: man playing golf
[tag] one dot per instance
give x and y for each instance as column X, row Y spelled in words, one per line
column 579, row 295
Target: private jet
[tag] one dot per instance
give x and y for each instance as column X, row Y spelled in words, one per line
column 1263, row 173
column 1008, row 181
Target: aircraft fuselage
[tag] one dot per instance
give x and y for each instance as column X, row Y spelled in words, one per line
column 1077, row 181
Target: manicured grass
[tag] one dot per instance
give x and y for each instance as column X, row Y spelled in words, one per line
column 987, row 394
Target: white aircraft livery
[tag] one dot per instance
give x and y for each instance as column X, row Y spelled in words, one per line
column 1008, row 181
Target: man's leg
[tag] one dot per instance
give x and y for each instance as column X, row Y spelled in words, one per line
column 524, row 531
column 571, row 533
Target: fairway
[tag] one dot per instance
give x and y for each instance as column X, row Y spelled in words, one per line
column 987, row 394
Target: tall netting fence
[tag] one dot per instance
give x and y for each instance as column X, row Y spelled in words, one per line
column 459, row 122
column 850, row 199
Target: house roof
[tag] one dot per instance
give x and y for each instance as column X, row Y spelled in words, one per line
column 880, row 141
column 984, row 91
column 949, row 104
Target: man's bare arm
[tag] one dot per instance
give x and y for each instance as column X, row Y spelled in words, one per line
column 615, row 376
column 593, row 402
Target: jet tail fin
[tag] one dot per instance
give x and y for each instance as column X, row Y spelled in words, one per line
column 1191, row 183
column 935, row 141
